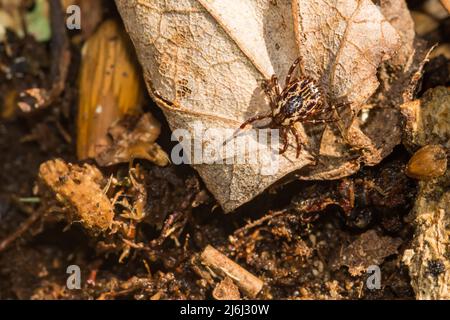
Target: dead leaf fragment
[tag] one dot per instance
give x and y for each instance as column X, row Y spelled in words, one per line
column 133, row 139
column 226, row 290
column 343, row 43
column 204, row 62
column 79, row 188
column 109, row 87
column 368, row 249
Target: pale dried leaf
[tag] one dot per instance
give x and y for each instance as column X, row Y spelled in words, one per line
column 204, row 61
column 343, row 43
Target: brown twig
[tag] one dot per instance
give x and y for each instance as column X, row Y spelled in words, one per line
column 408, row 95
column 259, row 222
column 5, row 243
column 225, row 267
column 38, row 98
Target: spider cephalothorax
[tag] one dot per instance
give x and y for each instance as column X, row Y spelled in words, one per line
column 301, row 101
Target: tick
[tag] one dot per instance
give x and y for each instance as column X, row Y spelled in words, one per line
column 302, row 100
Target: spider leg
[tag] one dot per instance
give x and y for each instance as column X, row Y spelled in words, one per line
column 270, row 90
column 343, row 105
column 297, row 139
column 316, row 121
column 242, row 126
column 291, row 71
column 284, row 139
column 276, row 86
column 253, row 119
column 267, row 86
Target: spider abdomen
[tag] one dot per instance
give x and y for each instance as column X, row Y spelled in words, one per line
column 297, row 102
column 300, row 101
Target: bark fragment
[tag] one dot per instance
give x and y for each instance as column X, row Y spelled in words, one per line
column 225, row 267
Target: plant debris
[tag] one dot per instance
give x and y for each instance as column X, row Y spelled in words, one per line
column 427, row 119
column 86, row 180
column 130, row 142
column 110, row 88
column 226, row 290
column 385, row 192
column 80, row 188
column 223, row 266
column 345, row 68
column 427, row 258
column 37, row 98
column 368, row 249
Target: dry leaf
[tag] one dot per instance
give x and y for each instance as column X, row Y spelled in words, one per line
column 368, row 249
column 204, row 62
column 133, row 138
column 446, row 4
column 109, row 87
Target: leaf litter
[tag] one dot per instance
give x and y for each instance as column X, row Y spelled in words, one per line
column 341, row 44
column 163, row 217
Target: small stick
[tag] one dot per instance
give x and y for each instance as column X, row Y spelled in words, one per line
column 20, row 230
column 408, row 95
column 225, row 267
column 259, row 222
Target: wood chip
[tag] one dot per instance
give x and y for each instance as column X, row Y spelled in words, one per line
column 225, row 267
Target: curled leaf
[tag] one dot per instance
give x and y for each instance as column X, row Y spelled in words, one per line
column 133, row 139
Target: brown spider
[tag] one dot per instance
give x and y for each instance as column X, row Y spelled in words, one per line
column 301, row 101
